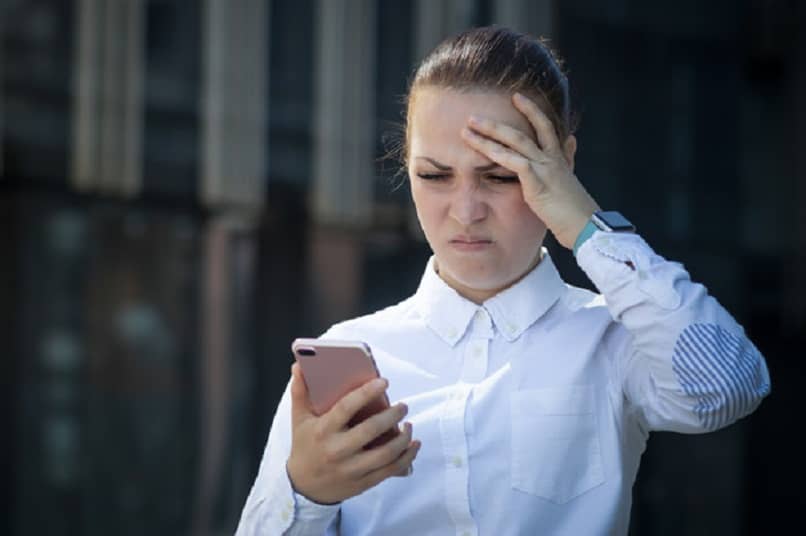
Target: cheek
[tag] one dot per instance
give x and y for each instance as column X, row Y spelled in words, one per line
column 426, row 206
column 521, row 223
column 515, row 210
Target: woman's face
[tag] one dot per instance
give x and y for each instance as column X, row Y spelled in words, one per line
column 472, row 211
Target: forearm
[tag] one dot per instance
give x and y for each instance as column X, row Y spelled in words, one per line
column 272, row 506
column 689, row 361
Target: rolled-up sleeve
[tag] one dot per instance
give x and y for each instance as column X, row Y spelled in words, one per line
column 687, row 365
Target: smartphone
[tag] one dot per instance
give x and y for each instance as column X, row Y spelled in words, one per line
column 332, row 369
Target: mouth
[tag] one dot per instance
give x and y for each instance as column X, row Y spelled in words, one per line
column 470, row 243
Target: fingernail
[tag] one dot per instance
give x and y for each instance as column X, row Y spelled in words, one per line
column 404, row 408
column 518, row 96
column 474, row 119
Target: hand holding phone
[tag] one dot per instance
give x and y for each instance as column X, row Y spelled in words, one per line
column 332, row 369
column 339, row 449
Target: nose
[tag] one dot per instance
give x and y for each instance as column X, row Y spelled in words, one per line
column 468, row 205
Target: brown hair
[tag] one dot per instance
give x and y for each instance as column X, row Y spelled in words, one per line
column 497, row 59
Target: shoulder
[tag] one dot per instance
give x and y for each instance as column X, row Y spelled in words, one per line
column 382, row 322
column 581, row 307
column 588, row 310
column 580, row 299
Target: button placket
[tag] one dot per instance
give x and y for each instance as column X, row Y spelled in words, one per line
column 454, row 447
column 474, row 364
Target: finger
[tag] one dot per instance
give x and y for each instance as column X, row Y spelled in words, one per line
column 300, row 401
column 341, row 413
column 367, row 430
column 370, row 460
column 498, row 153
column 399, row 466
column 348, row 443
column 546, row 134
column 506, row 135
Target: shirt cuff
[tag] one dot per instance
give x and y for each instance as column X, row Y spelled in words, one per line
column 281, row 510
column 314, row 516
column 308, row 510
column 623, row 264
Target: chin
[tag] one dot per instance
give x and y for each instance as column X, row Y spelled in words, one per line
column 481, row 280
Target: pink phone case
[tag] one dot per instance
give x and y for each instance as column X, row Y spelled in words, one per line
column 332, row 369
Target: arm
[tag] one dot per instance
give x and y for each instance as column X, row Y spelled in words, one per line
column 272, row 506
column 688, row 366
column 312, row 463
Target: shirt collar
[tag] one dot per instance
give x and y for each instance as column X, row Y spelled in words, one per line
column 512, row 310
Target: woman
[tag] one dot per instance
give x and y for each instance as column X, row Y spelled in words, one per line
column 531, row 400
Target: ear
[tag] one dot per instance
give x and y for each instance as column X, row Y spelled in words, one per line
column 570, row 149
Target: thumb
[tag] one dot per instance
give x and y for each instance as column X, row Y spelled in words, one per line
column 300, row 402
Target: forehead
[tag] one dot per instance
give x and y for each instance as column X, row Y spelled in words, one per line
column 438, row 115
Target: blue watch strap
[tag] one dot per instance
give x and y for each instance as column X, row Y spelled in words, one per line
column 586, row 233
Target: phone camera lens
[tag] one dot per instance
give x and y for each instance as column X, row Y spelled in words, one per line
column 306, row 351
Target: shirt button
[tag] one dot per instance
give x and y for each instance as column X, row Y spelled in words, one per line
column 466, row 533
column 477, row 351
column 450, row 332
column 457, row 461
column 511, row 329
column 285, row 515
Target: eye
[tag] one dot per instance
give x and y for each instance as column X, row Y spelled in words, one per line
column 432, row 176
column 503, row 179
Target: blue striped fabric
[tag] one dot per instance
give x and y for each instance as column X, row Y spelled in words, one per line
column 721, row 371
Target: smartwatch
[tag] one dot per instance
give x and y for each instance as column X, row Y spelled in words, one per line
column 611, row 221
column 608, row 221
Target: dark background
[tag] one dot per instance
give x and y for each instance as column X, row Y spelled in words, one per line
column 146, row 334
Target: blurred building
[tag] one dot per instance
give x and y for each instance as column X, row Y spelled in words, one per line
column 187, row 186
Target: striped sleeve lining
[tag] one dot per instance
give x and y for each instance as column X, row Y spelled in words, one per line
column 721, row 371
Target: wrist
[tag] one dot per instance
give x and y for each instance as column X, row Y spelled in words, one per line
column 577, row 226
column 312, row 498
column 606, row 221
column 586, row 232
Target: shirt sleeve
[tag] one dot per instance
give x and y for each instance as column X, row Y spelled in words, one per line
column 273, row 507
column 687, row 366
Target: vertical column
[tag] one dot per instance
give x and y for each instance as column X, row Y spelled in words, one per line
column 234, row 103
column 86, row 118
column 108, row 97
column 344, row 151
column 535, row 17
column 233, row 183
column 344, row 116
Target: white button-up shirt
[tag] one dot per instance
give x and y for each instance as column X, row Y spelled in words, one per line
column 533, row 408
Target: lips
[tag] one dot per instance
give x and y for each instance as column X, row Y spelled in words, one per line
column 470, row 243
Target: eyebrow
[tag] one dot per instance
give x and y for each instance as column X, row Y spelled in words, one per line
column 443, row 167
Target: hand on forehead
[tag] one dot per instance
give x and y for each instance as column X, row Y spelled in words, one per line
column 439, row 115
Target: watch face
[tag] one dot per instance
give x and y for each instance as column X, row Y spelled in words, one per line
column 614, row 221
